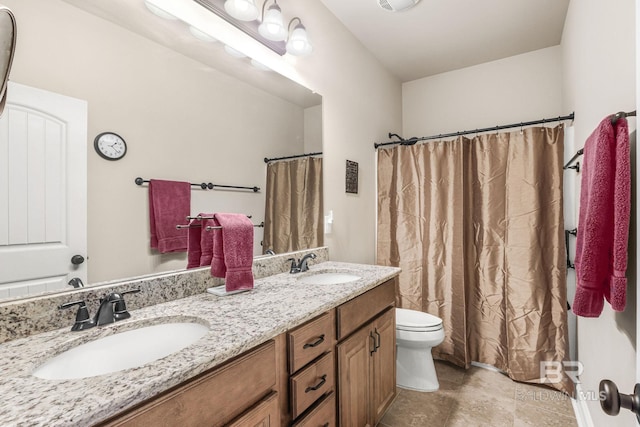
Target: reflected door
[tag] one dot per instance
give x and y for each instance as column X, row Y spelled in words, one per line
column 43, row 139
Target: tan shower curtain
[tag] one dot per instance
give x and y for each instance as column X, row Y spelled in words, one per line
column 476, row 226
column 293, row 208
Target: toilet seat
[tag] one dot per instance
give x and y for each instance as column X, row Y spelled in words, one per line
column 417, row 321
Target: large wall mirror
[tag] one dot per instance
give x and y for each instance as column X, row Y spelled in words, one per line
column 187, row 109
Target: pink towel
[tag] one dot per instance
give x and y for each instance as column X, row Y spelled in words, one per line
column 603, row 225
column 216, row 261
column 169, row 204
column 206, row 240
column 193, row 244
column 237, row 248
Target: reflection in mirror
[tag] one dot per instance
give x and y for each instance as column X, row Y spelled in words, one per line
column 187, row 111
column 293, row 212
column 7, row 50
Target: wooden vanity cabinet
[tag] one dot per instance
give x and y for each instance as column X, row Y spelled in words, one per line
column 366, row 356
column 241, row 392
column 291, row 380
column 312, row 366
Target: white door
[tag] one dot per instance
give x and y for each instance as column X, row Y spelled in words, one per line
column 42, row 191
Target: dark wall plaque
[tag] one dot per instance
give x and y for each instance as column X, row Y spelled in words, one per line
column 352, row 177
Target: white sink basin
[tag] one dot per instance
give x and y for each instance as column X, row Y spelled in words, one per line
column 121, row 351
column 328, row 278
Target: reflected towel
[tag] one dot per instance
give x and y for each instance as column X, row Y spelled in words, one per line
column 237, row 249
column 603, row 225
column 169, row 204
column 218, row 269
column 206, row 240
column 193, row 244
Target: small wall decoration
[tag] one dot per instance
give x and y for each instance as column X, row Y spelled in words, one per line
column 352, row 177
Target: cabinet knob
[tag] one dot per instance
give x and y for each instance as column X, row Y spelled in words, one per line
column 611, row 400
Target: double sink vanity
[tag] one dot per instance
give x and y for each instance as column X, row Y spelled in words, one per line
column 315, row 348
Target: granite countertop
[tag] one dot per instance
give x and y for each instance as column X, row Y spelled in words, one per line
column 236, row 323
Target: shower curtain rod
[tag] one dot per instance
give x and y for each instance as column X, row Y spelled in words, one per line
column 267, row 160
column 413, row 140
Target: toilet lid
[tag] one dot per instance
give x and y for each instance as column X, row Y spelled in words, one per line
column 416, row 320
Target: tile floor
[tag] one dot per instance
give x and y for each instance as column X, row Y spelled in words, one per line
column 479, row 397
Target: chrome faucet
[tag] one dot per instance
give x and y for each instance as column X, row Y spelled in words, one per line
column 301, row 266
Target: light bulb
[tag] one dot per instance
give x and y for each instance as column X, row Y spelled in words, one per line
column 272, row 27
column 298, row 43
column 242, row 10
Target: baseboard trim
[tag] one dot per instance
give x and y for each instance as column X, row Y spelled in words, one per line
column 580, row 408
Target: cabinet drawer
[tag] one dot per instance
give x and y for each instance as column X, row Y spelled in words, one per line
column 311, row 340
column 213, row 398
column 323, row 415
column 353, row 314
column 311, row 383
column 264, row 414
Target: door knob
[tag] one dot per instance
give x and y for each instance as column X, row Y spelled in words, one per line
column 77, row 259
column 611, row 400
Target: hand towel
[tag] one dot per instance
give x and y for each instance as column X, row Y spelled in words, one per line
column 603, row 223
column 237, row 247
column 169, row 204
column 206, row 240
column 218, row 269
column 193, row 243
column 617, row 292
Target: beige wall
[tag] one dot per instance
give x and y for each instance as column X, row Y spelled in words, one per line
column 361, row 103
column 181, row 121
column 519, row 88
column 599, row 79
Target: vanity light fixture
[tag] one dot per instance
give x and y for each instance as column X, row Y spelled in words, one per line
column 242, row 10
column 266, row 25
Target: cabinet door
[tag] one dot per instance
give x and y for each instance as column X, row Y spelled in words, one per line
column 354, row 373
column 264, row 414
column 384, row 364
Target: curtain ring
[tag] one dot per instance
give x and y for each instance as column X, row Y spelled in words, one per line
column 521, row 128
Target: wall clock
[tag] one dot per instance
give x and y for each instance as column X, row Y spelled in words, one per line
column 110, row 146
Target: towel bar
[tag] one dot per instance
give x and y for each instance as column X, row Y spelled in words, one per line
column 209, row 227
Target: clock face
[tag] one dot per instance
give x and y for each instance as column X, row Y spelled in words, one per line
column 110, row 146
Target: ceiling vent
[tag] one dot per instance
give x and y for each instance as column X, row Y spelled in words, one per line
column 397, row 5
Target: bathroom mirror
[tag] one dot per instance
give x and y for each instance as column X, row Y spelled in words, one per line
column 7, row 50
column 187, row 110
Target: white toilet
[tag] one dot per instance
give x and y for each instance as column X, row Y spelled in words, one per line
column 416, row 334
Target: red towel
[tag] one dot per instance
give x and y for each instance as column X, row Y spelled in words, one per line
column 193, row 244
column 169, row 204
column 237, row 248
column 216, row 261
column 603, row 225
